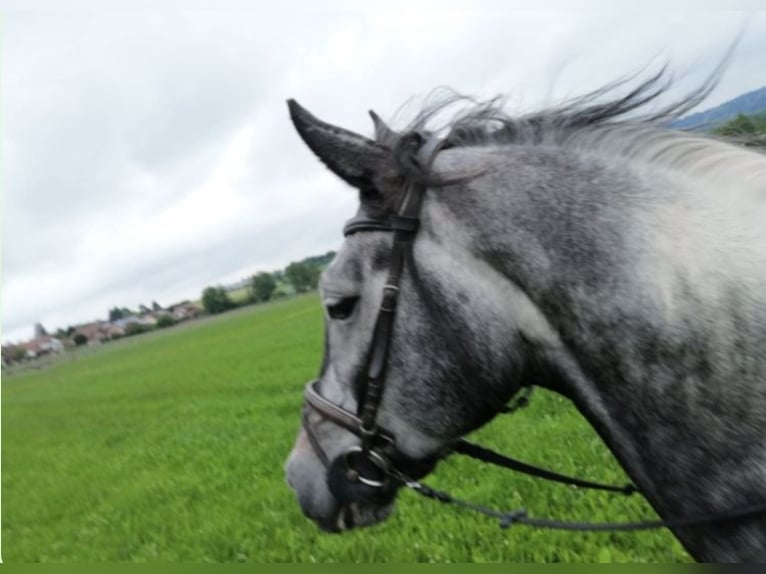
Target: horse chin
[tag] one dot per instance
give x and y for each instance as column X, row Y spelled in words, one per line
column 354, row 515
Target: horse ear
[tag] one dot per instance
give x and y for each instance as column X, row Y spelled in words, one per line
column 384, row 135
column 352, row 157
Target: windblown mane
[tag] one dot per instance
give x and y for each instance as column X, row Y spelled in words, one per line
column 606, row 124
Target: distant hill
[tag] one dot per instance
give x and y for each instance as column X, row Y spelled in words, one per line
column 750, row 103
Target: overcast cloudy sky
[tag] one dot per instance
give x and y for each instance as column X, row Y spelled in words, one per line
column 147, row 155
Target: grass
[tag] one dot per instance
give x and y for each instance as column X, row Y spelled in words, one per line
column 170, row 447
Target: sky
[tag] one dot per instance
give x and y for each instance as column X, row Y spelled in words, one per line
column 149, row 154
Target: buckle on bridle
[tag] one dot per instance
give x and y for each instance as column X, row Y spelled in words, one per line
column 368, row 433
column 390, row 295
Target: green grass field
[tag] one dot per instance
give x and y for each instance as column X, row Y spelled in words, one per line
column 170, row 447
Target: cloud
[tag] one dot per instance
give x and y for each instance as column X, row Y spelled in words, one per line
column 148, row 154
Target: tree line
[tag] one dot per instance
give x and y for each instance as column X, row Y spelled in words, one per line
column 749, row 131
column 298, row 277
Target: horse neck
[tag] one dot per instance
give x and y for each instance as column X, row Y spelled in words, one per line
column 667, row 370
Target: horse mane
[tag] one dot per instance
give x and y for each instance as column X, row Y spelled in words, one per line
column 628, row 125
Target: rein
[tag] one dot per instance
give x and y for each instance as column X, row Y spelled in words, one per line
column 373, row 470
column 519, row 516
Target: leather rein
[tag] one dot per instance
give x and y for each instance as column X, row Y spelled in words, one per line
column 373, row 470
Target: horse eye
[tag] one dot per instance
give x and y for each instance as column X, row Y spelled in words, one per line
column 342, row 309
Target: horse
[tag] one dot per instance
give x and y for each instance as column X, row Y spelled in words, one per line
column 587, row 248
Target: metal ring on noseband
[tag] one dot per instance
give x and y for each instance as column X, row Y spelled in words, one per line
column 376, row 460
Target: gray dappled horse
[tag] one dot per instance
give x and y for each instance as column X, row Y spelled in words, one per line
column 580, row 249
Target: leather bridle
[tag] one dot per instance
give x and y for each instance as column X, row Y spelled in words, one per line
column 370, row 463
column 372, row 470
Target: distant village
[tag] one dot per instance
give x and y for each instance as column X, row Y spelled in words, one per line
column 297, row 277
column 121, row 323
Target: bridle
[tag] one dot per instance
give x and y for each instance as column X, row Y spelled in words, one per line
column 370, row 463
column 373, row 470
